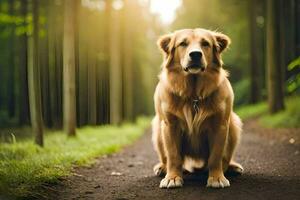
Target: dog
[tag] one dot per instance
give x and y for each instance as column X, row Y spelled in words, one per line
column 194, row 126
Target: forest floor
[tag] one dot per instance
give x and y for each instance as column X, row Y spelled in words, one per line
column 271, row 158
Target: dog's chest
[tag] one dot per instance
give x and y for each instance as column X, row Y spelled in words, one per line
column 195, row 144
column 193, row 116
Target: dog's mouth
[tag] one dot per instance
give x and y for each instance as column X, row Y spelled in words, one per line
column 194, row 68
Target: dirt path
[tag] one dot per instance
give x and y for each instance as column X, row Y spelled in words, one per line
column 271, row 160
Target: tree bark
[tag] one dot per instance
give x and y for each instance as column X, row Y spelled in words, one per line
column 34, row 79
column 274, row 70
column 69, row 96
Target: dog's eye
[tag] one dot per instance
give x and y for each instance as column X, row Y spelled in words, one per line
column 205, row 43
column 183, row 44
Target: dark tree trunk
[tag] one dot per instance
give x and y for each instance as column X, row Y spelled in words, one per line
column 255, row 82
column 45, row 78
column 11, row 70
column 23, row 82
column 274, row 70
column 59, row 19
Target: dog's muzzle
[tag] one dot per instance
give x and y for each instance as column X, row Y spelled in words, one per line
column 195, row 62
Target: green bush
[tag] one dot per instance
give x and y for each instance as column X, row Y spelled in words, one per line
column 241, row 92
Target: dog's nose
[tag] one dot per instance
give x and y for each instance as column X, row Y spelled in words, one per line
column 195, row 55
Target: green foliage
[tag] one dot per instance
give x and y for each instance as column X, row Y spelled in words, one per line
column 7, row 19
column 290, row 117
column 25, row 166
column 295, row 63
column 20, row 25
column 241, row 92
column 293, row 83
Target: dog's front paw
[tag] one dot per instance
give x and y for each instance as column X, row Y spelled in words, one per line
column 171, row 182
column 217, row 182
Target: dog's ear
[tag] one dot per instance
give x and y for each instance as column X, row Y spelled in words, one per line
column 166, row 44
column 222, row 42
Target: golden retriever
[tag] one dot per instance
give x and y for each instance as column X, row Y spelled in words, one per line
column 194, row 125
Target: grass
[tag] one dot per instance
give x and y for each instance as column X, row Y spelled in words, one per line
column 250, row 111
column 25, row 166
column 288, row 118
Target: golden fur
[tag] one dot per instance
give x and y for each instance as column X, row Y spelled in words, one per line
column 194, row 124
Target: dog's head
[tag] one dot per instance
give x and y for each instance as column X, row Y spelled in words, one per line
column 193, row 50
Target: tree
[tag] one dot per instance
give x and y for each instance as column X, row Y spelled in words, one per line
column 274, row 69
column 92, row 73
column 69, row 96
column 11, row 62
column 115, row 74
column 128, row 61
column 34, row 78
column 23, row 87
column 44, row 65
column 255, row 75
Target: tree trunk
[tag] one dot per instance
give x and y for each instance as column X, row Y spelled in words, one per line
column 115, row 73
column 23, row 87
column 92, row 74
column 77, row 56
column 51, row 64
column 127, row 69
column 34, row 79
column 45, row 78
column 69, row 96
column 59, row 23
column 11, row 70
column 82, row 76
column 274, row 70
column 106, row 70
column 255, row 90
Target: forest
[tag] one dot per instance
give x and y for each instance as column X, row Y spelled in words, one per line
column 72, row 67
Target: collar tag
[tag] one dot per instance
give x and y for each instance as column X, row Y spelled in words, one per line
column 196, row 105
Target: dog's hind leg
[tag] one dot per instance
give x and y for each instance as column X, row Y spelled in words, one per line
column 160, row 168
column 235, row 129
